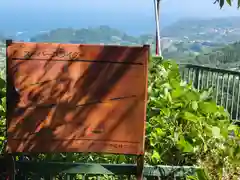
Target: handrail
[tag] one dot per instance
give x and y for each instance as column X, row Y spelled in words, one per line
column 51, row 169
column 221, row 70
column 226, row 84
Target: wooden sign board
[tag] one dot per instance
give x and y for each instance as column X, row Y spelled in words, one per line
column 76, row 98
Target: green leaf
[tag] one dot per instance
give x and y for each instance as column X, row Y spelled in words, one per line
column 176, row 93
column 185, row 145
column 4, row 103
column 191, row 96
column 216, row 132
column 234, row 128
column 221, row 3
column 192, row 178
column 2, row 83
column 156, row 156
column 159, row 132
column 202, row 174
column 166, row 111
column 229, row 2
column 190, row 117
column 121, row 159
column 188, row 147
column 208, row 107
column 194, row 105
column 175, row 83
column 205, row 95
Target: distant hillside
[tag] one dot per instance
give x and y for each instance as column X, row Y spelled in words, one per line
column 221, row 30
column 102, row 34
column 107, row 35
column 227, row 57
column 224, row 56
column 188, row 40
column 185, row 51
column 182, row 40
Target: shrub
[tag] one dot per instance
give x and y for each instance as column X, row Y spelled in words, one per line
column 186, row 127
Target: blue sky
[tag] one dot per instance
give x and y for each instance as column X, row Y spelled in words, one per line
column 132, row 16
column 201, row 8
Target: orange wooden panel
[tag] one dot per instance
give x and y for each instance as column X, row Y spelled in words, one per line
column 55, row 51
column 35, row 71
column 94, row 104
column 101, row 122
column 81, row 83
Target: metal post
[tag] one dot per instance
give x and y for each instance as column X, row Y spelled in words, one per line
column 158, row 39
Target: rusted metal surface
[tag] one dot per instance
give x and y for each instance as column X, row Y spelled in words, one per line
column 76, row 98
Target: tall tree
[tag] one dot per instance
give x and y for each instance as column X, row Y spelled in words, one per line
column 157, row 14
column 158, row 50
column 229, row 2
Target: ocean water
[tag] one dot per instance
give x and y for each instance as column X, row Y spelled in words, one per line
column 25, row 26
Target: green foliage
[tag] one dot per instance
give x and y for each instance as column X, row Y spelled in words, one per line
column 101, row 34
column 209, row 32
column 2, row 111
column 229, row 2
column 225, row 57
column 185, row 127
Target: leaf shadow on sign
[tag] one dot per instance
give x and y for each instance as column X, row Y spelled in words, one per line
column 68, row 111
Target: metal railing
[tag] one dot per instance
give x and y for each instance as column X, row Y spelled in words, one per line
column 225, row 83
column 70, row 171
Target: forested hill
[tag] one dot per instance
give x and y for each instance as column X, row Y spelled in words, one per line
column 102, row 34
column 189, row 41
column 215, row 30
column 220, row 30
column 227, row 57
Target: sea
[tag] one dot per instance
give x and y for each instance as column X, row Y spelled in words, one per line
column 23, row 27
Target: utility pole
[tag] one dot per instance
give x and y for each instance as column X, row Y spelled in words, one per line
column 158, row 50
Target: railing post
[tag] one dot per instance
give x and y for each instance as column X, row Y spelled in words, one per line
column 10, row 164
column 140, row 166
column 196, row 79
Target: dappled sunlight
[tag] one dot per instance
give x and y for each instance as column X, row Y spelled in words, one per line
column 76, row 98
